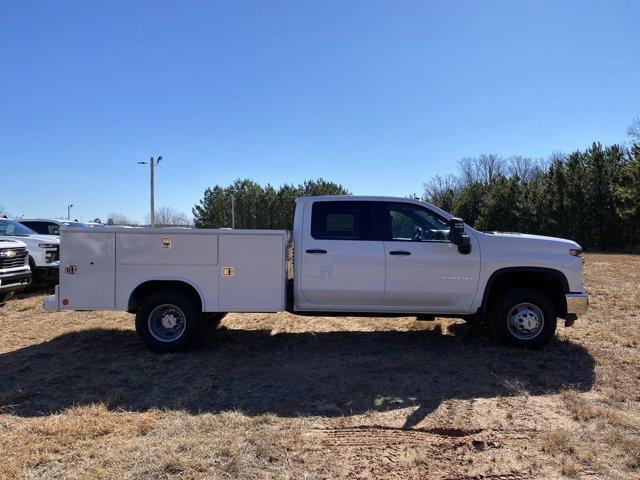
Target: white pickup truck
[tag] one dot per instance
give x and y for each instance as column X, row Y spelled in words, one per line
column 43, row 250
column 15, row 274
column 350, row 256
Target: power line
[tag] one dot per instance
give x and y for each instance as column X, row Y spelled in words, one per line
column 199, row 190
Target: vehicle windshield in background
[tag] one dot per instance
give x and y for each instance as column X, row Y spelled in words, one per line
column 50, row 228
column 11, row 228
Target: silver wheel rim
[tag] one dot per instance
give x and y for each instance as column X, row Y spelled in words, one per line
column 525, row 321
column 167, row 323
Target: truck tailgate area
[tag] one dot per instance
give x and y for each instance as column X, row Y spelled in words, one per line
column 232, row 270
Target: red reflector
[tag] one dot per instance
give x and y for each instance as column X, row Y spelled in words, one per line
column 65, row 301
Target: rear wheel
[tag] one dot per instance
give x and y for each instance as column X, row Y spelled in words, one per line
column 169, row 320
column 523, row 317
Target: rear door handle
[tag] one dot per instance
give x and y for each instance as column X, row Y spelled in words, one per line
column 316, row 250
column 402, row 253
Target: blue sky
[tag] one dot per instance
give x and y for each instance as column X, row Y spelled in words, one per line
column 377, row 95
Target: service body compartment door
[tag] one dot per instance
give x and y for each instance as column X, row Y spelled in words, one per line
column 189, row 256
column 167, row 248
column 87, row 270
column 252, row 272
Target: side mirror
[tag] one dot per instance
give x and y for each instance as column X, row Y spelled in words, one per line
column 458, row 237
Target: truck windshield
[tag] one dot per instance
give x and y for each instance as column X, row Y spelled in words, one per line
column 12, row 228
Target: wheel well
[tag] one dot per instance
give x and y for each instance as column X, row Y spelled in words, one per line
column 145, row 289
column 547, row 281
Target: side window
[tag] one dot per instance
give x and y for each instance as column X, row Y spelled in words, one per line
column 53, row 228
column 410, row 222
column 36, row 227
column 342, row 221
column 43, row 228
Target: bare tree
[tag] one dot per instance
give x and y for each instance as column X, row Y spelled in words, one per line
column 119, row 219
column 490, row 166
column 169, row 217
column 437, row 187
column 481, row 169
column 523, row 167
column 634, row 129
column 3, row 211
column 468, row 171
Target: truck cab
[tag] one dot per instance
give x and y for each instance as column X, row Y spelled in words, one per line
column 350, row 256
column 376, row 254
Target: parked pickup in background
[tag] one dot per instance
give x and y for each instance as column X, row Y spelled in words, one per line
column 350, row 256
column 44, row 250
column 15, row 274
column 48, row 226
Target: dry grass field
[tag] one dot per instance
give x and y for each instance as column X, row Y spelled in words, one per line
column 280, row 396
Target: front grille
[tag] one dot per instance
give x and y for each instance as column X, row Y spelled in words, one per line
column 13, row 257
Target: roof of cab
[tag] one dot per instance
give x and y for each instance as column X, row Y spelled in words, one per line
column 370, row 198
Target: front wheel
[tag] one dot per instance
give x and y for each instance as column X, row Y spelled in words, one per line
column 168, row 321
column 523, row 317
column 4, row 297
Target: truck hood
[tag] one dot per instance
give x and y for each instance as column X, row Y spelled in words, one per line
column 6, row 242
column 36, row 238
column 533, row 240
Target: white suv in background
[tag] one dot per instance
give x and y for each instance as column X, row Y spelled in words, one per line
column 48, row 226
column 15, row 274
column 44, row 250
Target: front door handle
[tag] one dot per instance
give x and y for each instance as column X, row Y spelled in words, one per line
column 402, row 253
column 316, row 250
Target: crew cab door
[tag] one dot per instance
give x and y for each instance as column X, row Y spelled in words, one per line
column 425, row 271
column 342, row 260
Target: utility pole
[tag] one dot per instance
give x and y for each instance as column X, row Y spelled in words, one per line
column 152, row 194
column 233, row 211
column 69, row 207
column 152, row 212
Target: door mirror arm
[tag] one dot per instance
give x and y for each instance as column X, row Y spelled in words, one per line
column 458, row 236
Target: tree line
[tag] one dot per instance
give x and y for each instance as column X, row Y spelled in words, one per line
column 256, row 206
column 591, row 196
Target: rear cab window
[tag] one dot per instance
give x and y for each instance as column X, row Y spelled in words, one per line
column 344, row 220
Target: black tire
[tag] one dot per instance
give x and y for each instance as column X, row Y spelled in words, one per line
column 4, row 297
column 523, row 317
column 33, row 286
column 185, row 315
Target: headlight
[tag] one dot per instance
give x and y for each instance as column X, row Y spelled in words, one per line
column 575, row 252
column 48, row 245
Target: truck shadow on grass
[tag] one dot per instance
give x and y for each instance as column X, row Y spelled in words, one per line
column 287, row 374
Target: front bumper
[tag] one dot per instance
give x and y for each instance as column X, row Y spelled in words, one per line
column 577, row 305
column 14, row 281
column 47, row 273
